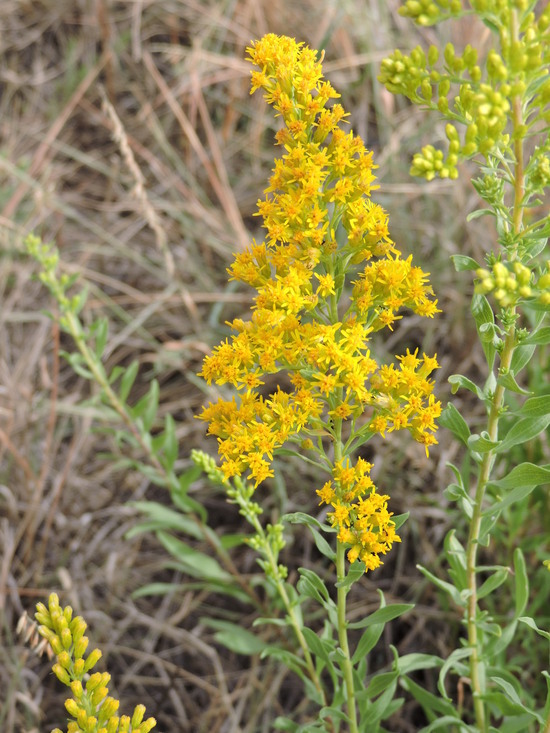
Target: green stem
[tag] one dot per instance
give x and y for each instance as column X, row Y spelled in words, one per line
column 289, row 607
column 497, row 403
column 345, row 663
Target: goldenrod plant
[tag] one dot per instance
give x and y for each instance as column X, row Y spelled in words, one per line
column 92, row 708
column 299, row 379
column 495, row 102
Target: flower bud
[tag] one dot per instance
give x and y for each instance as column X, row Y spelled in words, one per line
column 80, row 647
column 93, row 659
column 61, row 674
column 148, row 725
column 72, row 707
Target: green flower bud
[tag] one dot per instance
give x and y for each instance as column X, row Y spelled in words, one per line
column 433, row 55
column 124, row 724
column 427, row 90
column 443, row 104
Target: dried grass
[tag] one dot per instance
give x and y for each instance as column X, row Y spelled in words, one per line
column 147, row 188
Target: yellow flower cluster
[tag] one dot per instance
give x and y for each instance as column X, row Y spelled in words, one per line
column 91, row 707
column 322, row 230
column 359, row 512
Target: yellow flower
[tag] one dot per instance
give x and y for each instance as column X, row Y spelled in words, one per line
column 323, row 233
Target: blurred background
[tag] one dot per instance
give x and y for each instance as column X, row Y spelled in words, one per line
column 128, row 137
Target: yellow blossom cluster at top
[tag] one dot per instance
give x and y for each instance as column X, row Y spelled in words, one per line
column 323, row 232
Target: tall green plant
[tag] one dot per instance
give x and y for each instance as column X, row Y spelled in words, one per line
column 497, row 113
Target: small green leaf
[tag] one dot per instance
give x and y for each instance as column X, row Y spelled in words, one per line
column 521, row 357
column 383, row 615
column 128, row 380
column 453, row 421
column 528, row 621
column 493, row 582
column 459, row 381
column 321, row 648
column 481, row 444
column 235, row 637
column 443, row 585
column 542, row 336
column 453, row 663
column 163, row 517
column 535, row 407
column 301, row 518
column 526, row 474
column 521, row 582
column 463, row 262
column 99, row 331
column 170, row 441
column 193, row 562
column 508, row 381
column 524, row 430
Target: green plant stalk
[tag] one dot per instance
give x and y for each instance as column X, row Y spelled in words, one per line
column 72, row 324
column 492, row 429
column 342, row 592
column 275, row 575
column 546, row 726
column 345, row 662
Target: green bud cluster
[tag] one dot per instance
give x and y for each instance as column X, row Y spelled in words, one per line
column 428, row 12
column 478, row 96
column 90, row 706
column 511, row 283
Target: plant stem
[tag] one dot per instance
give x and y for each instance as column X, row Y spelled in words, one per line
column 345, row 664
column 492, row 425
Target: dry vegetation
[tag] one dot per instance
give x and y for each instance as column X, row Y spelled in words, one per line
column 128, row 137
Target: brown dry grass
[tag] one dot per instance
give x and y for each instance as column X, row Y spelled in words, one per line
column 128, row 137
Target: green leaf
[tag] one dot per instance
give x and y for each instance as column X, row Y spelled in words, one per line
column 482, row 444
column 526, row 474
column 508, row 381
column 322, row 545
column 379, row 709
column 432, row 704
column 493, row 582
column 415, row 661
column 321, row 648
column 99, row 331
column 456, row 555
column 483, row 315
column 146, row 408
column 443, row 585
column 235, row 637
column 462, row 262
column 535, row 407
column 524, row 430
column 311, row 585
column 193, row 562
column 521, row 357
column 528, row 621
column 379, row 683
column 453, row 421
column 170, row 442
column 542, row 336
column 163, row 517
column 383, row 615
column 128, row 380
column 355, row 573
column 458, row 381
column 367, row 642
column 510, row 703
column 301, row 518
column 521, row 589
column 400, row 519
column 452, row 663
